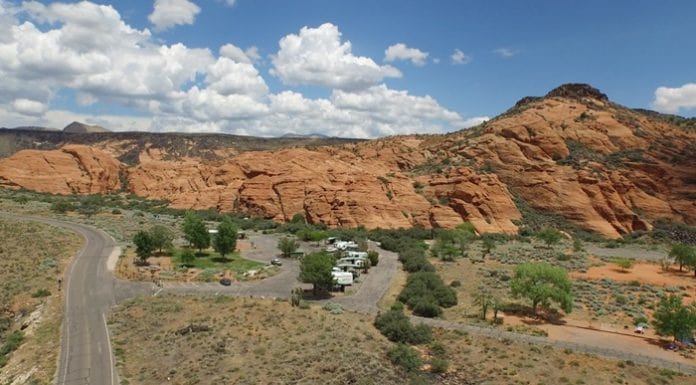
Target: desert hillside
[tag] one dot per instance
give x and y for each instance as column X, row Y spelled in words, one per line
column 572, row 153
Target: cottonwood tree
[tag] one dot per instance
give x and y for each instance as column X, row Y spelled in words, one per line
column 542, row 283
column 143, row 245
column 682, row 254
column 162, row 237
column 550, row 236
column 315, row 268
column 673, row 318
column 484, row 299
column 225, row 241
column 195, row 231
column 287, row 246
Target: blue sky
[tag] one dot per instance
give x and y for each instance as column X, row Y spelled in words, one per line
column 640, row 53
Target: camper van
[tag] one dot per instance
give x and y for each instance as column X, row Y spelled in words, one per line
column 342, row 278
column 356, row 254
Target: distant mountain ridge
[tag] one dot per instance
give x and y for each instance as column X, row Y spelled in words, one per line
column 82, row 128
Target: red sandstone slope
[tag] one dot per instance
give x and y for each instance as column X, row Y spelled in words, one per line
column 604, row 167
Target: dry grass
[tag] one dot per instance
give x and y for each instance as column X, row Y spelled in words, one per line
column 33, row 257
column 504, row 362
column 255, row 341
column 250, row 341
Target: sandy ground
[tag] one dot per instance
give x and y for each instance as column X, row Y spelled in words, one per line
column 645, row 273
column 603, row 336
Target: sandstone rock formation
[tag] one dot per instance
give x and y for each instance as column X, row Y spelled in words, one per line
column 573, row 153
column 74, row 169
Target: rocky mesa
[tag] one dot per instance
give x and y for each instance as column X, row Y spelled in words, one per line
column 572, row 153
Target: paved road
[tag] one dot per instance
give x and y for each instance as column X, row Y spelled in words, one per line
column 86, row 356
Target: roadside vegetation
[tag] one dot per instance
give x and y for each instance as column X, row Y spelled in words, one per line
column 246, row 341
column 33, row 257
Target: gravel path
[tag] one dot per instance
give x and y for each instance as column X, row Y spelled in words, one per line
column 610, row 346
column 628, row 251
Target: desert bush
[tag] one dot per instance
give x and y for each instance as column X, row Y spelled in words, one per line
column 41, row 293
column 427, row 287
column 396, row 326
column 406, row 357
column 439, row 365
column 426, row 307
column 373, row 256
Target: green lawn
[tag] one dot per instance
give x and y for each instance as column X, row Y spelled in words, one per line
column 213, row 260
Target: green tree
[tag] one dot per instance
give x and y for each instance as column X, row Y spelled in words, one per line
column 373, row 256
column 298, row 218
column 484, row 299
column 682, row 254
column 673, row 318
column 143, row 245
column 187, row 257
column 550, row 236
column 542, row 283
column 162, row 237
column 488, row 245
column 195, row 231
column 315, row 268
column 287, row 246
column 225, row 241
column 445, row 249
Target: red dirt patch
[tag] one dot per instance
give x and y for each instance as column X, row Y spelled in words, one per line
column 646, row 273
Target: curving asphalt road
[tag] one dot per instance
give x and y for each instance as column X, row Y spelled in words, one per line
column 86, row 356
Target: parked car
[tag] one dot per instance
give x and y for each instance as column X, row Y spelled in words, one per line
column 276, row 262
column 225, row 281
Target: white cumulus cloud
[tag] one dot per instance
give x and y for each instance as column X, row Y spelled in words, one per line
column 29, row 107
column 505, row 52
column 169, row 13
column 671, row 100
column 316, row 56
column 459, row 57
column 90, row 50
column 400, row 51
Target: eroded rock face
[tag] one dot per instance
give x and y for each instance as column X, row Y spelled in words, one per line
column 74, row 169
column 602, row 166
column 325, row 186
column 573, row 153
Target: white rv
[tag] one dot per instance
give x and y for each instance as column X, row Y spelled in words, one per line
column 342, row 278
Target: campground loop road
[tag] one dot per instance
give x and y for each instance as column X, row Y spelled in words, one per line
column 86, row 356
column 91, row 289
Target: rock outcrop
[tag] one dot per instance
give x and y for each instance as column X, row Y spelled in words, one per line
column 74, row 169
column 572, row 153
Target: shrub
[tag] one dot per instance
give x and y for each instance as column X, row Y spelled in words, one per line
column 396, row 326
column 406, row 357
column 427, row 308
column 11, row 344
column 373, row 256
column 455, row 283
column 41, row 293
column 439, row 365
column 427, row 287
column 62, row 206
column 623, row 263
